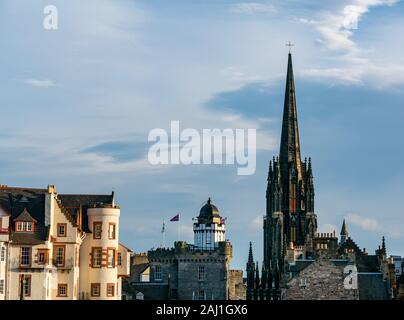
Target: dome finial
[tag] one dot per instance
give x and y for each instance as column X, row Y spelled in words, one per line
column 209, row 201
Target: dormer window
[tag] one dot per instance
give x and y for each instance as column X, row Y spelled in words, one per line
column 25, row 222
column 24, row 226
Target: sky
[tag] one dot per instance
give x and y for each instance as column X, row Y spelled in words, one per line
column 77, row 105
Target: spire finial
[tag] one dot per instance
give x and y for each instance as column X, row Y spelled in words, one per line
column 290, row 45
column 384, row 244
column 344, row 231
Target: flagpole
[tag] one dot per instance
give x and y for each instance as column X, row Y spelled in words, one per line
column 179, row 229
column 164, row 235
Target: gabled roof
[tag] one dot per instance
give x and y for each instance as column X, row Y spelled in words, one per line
column 73, row 202
column 25, row 216
column 17, row 200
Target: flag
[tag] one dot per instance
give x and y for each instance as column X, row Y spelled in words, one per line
column 162, row 229
column 175, row 218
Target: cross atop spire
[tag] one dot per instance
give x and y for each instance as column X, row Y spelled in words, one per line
column 290, row 45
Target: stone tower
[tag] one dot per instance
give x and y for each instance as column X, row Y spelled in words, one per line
column 290, row 217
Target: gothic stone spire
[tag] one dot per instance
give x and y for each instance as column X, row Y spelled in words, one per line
column 290, row 144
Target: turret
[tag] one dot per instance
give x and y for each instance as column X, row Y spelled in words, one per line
column 99, row 269
column 210, row 228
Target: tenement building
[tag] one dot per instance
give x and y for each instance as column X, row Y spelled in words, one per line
column 198, row 271
column 59, row 247
column 299, row 262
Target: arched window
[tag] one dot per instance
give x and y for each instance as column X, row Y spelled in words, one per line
column 293, row 232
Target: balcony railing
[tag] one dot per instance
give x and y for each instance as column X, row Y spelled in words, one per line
column 67, row 265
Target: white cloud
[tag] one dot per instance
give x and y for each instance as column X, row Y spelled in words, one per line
column 257, row 223
column 342, row 76
column 45, row 83
column 252, row 7
column 337, row 28
column 365, row 223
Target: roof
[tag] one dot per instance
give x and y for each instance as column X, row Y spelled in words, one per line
column 25, row 216
column 372, row 286
column 344, row 231
column 290, row 145
column 125, row 247
column 14, row 201
column 73, row 202
column 208, row 210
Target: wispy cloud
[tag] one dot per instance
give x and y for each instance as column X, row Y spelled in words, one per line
column 365, row 223
column 336, row 34
column 252, row 7
column 45, row 83
column 337, row 28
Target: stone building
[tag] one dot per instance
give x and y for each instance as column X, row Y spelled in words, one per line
column 323, row 279
column 60, row 247
column 293, row 249
column 199, row 271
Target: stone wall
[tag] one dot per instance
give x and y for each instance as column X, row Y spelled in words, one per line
column 237, row 288
column 322, row 280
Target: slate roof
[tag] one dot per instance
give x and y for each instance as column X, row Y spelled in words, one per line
column 25, row 216
column 28, row 204
column 72, row 203
column 372, row 286
column 299, row 266
column 15, row 201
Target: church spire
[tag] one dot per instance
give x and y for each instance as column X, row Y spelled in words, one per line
column 290, row 144
column 344, row 232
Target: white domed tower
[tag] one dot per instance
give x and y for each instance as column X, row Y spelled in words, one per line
column 210, row 228
column 100, row 254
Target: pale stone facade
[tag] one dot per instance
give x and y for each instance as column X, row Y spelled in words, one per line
column 52, row 251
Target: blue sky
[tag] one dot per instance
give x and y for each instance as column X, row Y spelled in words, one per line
column 77, row 105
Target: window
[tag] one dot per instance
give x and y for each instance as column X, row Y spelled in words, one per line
column 22, row 226
column 95, row 289
column 111, row 231
column 201, row 295
column 303, row 283
column 61, row 229
column 59, row 256
column 62, row 290
column 3, row 254
column 110, row 290
column 26, row 285
column 1, row 286
column 119, row 258
column 111, row 258
column 158, row 274
column 42, row 256
column 201, row 273
column 25, row 256
column 97, row 230
column 293, row 233
column 96, row 257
